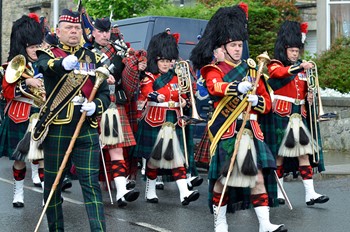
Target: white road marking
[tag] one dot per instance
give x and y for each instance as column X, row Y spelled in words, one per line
column 67, row 199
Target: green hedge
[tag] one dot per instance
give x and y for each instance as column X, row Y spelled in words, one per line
column 262, row 25
column 332, row 65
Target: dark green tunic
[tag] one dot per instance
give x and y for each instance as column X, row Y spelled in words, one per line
column 86, row 151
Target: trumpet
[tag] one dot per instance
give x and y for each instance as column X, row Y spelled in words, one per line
column 17, row 69
column 182, row 70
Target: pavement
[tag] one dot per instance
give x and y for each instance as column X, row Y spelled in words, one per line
column 336, row 163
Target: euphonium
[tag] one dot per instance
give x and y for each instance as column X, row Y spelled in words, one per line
column 17, row 69
column 182, row 71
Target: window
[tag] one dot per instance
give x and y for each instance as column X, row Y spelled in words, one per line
column 339, row 19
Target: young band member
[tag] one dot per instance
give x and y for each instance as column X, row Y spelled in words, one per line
column 26, row 37
column 115, row 144
column 159, row 135
column 229, row 84
column 291, row 141
column 69, row 72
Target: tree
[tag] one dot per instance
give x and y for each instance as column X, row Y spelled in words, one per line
column 120, row 9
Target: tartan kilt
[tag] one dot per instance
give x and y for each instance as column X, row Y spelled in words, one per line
column 146, row 136
column 129, row 139
column 280, row 123
column 11, row 133
column 239, row 198
column 202, row 154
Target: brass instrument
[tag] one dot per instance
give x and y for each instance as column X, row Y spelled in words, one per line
column 182, row 70
column 17, row 69
column 314, row 88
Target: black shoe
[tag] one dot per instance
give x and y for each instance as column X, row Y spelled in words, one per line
column 37, row 184
column 66, row 184
column 160, row 186
column 281, row 201
column 131, row 184
column 153, row 200
column 319, row 200
column 282, row 228
column 195, row 182
column 192, row 197
column 122, row 202
column 132, row 195
column 18, row 204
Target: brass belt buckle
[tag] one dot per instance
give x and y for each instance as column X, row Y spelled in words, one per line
column 171, row 104
column 297, row 102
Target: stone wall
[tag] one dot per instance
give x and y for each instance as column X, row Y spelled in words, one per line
column 14, row 9
column 335, row 133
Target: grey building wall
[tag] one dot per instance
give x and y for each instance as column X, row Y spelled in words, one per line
column 14, row 9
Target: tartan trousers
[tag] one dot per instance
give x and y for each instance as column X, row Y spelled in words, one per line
column 85, row 156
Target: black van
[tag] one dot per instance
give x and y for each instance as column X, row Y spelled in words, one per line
column 139, row 31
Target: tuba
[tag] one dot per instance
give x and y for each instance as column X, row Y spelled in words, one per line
column 182, row 70
column 17, row 69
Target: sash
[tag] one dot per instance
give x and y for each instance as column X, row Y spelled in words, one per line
column 229, row 107
column 162, row 80
column 109, row 51
column 65, row 90
column 279, row 83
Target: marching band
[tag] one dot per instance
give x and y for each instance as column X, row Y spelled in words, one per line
column 108, row 109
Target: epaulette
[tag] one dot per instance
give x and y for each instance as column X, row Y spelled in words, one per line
column 150, row 75
column 251, row 63
column 47, row 51
column 276, row 61
column 209, row 67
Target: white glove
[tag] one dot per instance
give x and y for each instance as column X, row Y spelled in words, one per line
column 39, row 75
column 89, row 107
column 69, row 62
column 244, row 87
column 253, row 99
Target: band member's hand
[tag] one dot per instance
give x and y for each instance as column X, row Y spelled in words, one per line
column 110, row 79
column 36, row 83
column 183, row 102
column 253, row 99
column 69, row 62
column 89, row 107
column 142, row 66
column 244, row 87
column 310, row 97
column 306, row 65
column 161, row 98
